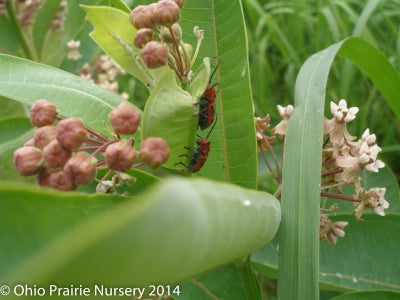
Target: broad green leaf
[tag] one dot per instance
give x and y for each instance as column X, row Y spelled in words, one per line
column 11, row 108
column 27, row 81
column 32, row 217
column 302, row 161
column 42, row 23
column 176, row 230
column 119, row 4
column 233, row 155
column 223, row 283
column 364, row 259
column 13, row 127
column 372, row 262
column 114, row 33
column 369, row 295
column 15, row 132
column 170, row 113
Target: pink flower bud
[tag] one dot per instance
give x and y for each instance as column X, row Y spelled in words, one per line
column 166, row 13
column 176, row 31
column 55, row 155
column 154, row 54
column 30, row 142
column 43, row 113
column 43, row 178
column 154, row 151
column 124, row 119
column 142, row 16
column 81, row 168
column 28, row 160
column 142, row 37
column 120, row 156
column 180, row 3
column 44, row 135
column 71, row 133
column 61, row 181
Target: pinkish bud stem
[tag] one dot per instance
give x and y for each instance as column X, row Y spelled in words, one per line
column 341, row 197
column 279, row 176
column 331, row 172
column 268, row 165
column 103, row 147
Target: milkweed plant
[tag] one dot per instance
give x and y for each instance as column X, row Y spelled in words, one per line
column 143, row 162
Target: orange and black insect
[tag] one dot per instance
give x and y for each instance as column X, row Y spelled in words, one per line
column 207, row 103
column 199, row 154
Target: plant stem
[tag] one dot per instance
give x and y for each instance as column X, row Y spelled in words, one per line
column 18, row 30
column 341, row 197
column 267, row 164
column 249, row 279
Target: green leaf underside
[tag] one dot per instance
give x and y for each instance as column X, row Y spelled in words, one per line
column 170, row 113
column 233, row 144
column 27, row 81
column 364, row 259
column 114, row 33
column 171, row 233
column 300, row 197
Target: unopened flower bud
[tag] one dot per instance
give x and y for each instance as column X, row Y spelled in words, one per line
column 44, row 135
column 81, row 168
column 43, row 113
column 180, row 3
column 154, row 54
column 154, row 151
column 187, row 48
column 28, row 160
column 43, row 178
column 55, row 155
column 124, row 119
column 30, row 142
column 142, row 37
column 142, row 16
column 176, row 31
column 61, row 181
column 166, row 13
column 120, row 156
column 71, row 133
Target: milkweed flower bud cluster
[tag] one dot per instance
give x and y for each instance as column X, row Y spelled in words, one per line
column 344, row 161
column 159, row 37
column 65, row 154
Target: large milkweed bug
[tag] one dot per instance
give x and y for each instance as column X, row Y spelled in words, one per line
column 199, row 154
column 207, row 102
